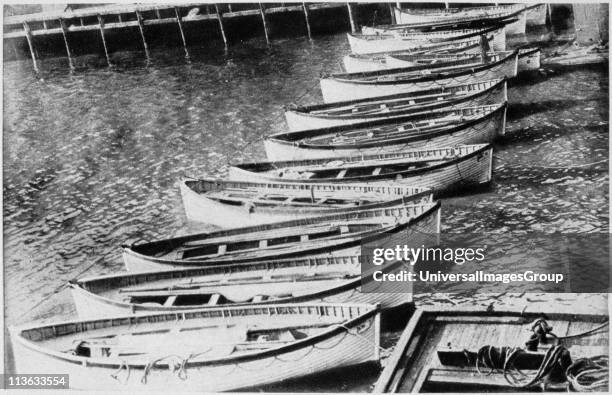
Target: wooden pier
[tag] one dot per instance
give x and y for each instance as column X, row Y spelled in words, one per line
column 113, row 17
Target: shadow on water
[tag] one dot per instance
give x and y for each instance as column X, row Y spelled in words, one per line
column 520, row 110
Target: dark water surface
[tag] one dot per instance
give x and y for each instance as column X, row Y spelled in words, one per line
column 93, row 159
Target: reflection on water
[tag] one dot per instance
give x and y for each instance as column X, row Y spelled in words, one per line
column 92, row 160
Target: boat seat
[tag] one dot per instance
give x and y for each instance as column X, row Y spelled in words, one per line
column 170, row 301
column 214, row 300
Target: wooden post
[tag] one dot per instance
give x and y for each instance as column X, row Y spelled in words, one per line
column 142, row 34
column 14, row 47
column 28, row 34
column 65, row 34
column 305, row 7
column 591, row 22
column 392, row 13
column 265, row 23
column 350, row 12
column 101, row 24
column 220, row 18
column 179, row 20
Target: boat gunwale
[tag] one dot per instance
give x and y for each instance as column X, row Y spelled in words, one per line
column 351, row 282
column 357, row 187
column 346, row 242
column 442, row 130
column 305, row 110
column 410, row 172
column 355, row 77
column 334, row 329
column 444, row 13
column 322, row 209
column 467, row 33
column 486, row 22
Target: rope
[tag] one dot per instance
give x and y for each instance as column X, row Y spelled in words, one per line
column 152, row 363
column 503, row 358
column 589, row 374
column 115, row 375
column 582, row 334
column 383, row 350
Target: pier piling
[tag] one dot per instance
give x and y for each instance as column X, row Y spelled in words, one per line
column 111, row 18
column 179, row 21
column 65, row 35
column 265, row 23
column 350, row 12
column 101, row 25
column 305, row 7
column 392, row 13
column 28, row 35
column 142, row 35
column 220, row 18
column 591, row 22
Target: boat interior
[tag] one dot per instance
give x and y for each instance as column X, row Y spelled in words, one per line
column 470, row 351
column 204, row 291
column 390, row 133
column 218, row 333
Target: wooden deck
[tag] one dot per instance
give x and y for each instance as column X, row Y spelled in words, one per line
column 126, row 15
column 116, row 17
column 416, row 366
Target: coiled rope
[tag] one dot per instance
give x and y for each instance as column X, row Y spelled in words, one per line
column 589, row 374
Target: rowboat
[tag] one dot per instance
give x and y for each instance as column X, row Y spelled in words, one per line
column 352, row 86
column 210, row 350
column 449, row 24
column 440, row 169
column 370, row 109
column 511, row 11
column 528, row 59
column 300, row 280
column 328, row 235
column 435, row 128
column 353, row 63
column 442, row 348
column 230, row 204
column 367, row 43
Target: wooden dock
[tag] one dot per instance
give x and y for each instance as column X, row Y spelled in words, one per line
column 122, row 16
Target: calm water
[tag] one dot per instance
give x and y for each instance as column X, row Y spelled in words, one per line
column 93, row 159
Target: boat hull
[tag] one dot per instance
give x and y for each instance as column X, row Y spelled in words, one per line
column 360, row 64
column 528, row 59
column 484, row 131
column 368, row 44
column 200, row 208
column 299, row 121
column 405, row 16
column 112, row 374
column 467, row 171
column 335, row 90
column 427, row 223
column 91, row 306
